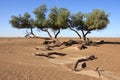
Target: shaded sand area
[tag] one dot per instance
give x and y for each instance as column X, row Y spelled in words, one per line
column 18, row 61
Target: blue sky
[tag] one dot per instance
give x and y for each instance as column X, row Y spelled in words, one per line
column 16, row 7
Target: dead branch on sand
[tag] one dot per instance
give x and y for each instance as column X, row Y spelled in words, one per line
column 97, row 69
column 82, row 46
column 51, row 44
column 92, row 57
column 49, row 54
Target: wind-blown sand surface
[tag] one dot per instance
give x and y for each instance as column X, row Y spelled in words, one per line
column 18, row 62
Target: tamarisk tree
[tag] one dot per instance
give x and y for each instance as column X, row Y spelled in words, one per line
column 76, row 23
column 21, row 22
column 96, row 20
column 58, row 18
column 41, row 22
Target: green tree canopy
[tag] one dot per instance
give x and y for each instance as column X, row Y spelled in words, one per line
column 76, row 22
column 21, row 22
column 41, row 22
column 40, row 16
column 96, row 20
column 58, row 18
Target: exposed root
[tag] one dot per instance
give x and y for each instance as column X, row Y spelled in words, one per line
column 92, row 57
column 49, row 54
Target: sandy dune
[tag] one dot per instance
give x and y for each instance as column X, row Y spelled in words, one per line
column 18, row 62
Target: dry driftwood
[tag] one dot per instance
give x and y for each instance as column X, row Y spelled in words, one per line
column 82, row 46
column 47, row 42
column 51, row 44
column 99, row 71
column 100, row 42
column 92, row 57
column 49, row 54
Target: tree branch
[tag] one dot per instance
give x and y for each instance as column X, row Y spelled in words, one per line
column 75, row 32
column 57, row 33
column 46, row 30
column 87, row 33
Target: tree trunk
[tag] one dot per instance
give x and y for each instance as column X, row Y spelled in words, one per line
column 87, row 33
column 47, row 32
column 76, row 32
column 84, row 36
column 31, row 29
column 57, row 33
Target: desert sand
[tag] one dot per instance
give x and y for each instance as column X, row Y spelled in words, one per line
column 18, row 60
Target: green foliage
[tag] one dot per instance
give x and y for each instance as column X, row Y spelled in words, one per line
column 52, row 18
column 58, row 18
column 15, row 22
column 77, row 21
column 62, row 18
column 21, row 21
column 27, row 16
column 40, row 14
column 96, row 20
